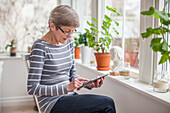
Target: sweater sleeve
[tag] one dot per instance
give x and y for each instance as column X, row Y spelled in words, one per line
column 73, row 68
column 34, row 87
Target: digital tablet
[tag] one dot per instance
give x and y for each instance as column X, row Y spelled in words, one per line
column 92, row 80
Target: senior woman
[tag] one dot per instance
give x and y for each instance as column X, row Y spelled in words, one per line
column 52, row 75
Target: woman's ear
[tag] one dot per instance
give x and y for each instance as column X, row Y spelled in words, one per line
column 52, row 26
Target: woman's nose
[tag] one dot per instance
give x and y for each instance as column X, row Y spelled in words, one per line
column 69, row 36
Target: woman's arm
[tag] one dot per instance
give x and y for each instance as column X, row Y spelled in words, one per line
column 73, row 68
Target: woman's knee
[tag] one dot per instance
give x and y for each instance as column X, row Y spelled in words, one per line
column 108, row 105
column 109, row 101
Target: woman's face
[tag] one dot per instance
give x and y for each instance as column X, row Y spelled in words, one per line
column 63, row 33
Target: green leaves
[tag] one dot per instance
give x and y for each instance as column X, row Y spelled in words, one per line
column 112, row 10
column 104, row 42
column 76, row 42
column 159, row 44
column 156, row 44
column 158, row 31
column 12, row 43
column 162, row 15
column 147, row 33
column 150, row 12
column 164, row 58
column 164, row 46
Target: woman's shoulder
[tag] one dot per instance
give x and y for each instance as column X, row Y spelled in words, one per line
column 39, row 43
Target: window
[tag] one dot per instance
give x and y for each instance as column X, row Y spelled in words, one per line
column 165, row 66
column 19, row 18
column 129, row 28
column 84, row 10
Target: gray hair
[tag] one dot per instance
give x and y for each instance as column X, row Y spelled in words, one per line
column 64, row 15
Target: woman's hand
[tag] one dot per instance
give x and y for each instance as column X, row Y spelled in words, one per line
column 97, row 83
column 77, row 82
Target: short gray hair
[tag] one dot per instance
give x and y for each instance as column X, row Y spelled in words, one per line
column 64, row 15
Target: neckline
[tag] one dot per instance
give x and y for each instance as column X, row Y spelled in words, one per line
column 54, row 45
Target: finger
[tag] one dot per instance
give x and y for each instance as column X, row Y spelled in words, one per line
column 93, row 84
column 78, row 83
column 101, row 82
column 90, row 85
column 82, row 79
column 97, row 83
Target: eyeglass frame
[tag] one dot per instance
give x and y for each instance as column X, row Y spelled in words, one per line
column 66, row 33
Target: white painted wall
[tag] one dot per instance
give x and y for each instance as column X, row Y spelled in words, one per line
column 14, row 83
column 126, row 99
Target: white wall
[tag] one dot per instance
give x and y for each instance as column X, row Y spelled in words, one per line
column 126, row 99
column 14, row 83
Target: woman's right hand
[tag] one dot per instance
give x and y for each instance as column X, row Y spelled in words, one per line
column 77, row 82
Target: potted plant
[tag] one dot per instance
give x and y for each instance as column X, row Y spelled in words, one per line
column 158, row 43
column 77, row 48
column 12, row 47
column 102, row 46
column 86, row 51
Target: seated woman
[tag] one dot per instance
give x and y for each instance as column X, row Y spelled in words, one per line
column 52, row 75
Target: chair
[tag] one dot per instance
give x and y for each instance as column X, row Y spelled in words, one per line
column 26, row 58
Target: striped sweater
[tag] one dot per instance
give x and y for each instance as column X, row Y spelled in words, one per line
column 51, row 69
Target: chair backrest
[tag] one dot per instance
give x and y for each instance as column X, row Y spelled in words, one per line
column 26, row 58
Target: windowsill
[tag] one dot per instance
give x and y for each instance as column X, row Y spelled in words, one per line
column 6, row 56
column 134, row 85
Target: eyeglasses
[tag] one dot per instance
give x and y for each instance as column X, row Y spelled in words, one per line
column 67, row 33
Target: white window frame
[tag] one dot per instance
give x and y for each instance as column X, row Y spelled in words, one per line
column 147, row 62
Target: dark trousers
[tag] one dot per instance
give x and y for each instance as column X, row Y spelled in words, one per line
column 84, row 104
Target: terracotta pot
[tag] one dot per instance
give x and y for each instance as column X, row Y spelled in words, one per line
column 13, row 51
column 77, row 52
column 103, row 61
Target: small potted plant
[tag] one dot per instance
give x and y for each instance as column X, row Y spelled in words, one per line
column 86, row 51
column 159, row 44
column 12, row 47
column 102, row 46
column 77, row 48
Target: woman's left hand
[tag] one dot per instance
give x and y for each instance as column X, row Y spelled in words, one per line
column 97, row 83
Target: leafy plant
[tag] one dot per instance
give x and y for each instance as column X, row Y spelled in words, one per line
column 76, row 42
column 158, row 43
column 12, row 43
column 103, row 44
column 83, row 39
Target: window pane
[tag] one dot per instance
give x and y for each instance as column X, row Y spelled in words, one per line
column 24, row 21
column 166, row 65
column 129, row 28
column 84, row 10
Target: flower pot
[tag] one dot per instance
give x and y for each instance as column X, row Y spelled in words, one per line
column 85, row 54
column 13, row 51
column 29, row 50
column 77, row 52
column 103, row 61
